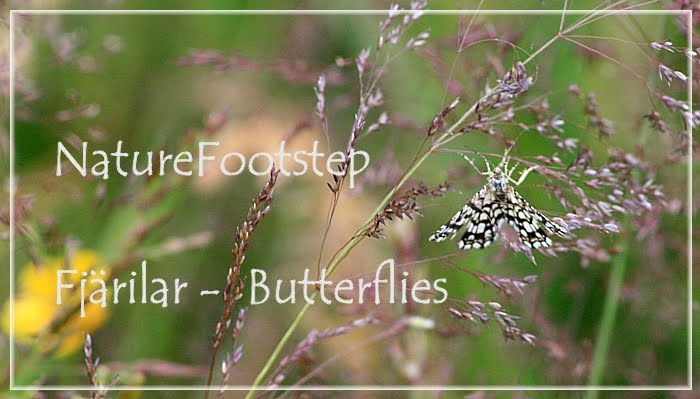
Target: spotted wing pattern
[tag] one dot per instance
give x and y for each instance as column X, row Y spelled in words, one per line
column 533, row 227
column 481, row 215
column 486, row 211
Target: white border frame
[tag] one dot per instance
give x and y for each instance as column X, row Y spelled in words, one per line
column 563, row 12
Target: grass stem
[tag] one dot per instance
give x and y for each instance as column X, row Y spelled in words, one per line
column 607, row 324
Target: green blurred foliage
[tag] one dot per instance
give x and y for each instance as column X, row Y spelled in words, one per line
column 150, row 102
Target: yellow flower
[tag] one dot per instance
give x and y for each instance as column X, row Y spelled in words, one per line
column 32, row 316
column 35, row 304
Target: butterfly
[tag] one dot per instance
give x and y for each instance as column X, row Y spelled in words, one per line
column 495, row 203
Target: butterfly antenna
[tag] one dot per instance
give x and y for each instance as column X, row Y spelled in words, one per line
column 506, row 156
column 486, row 161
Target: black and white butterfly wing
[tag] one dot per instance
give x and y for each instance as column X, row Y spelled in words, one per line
column 450, row 228
column 480, row 217
column 533, row 227
column 481, row 230
column 485, row 212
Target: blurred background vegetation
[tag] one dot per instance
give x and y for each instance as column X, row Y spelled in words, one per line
column 108, row 78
